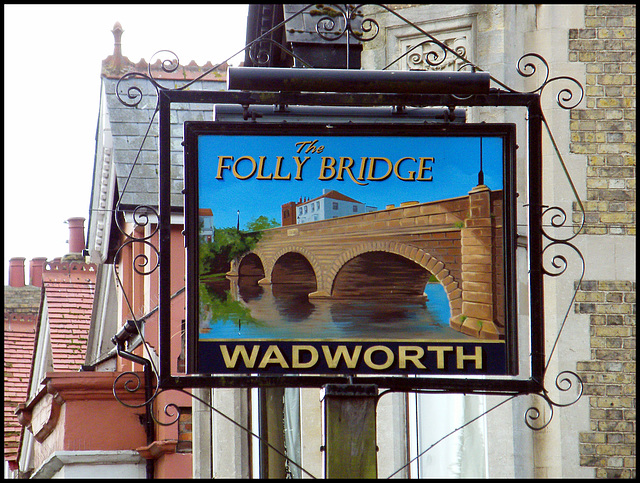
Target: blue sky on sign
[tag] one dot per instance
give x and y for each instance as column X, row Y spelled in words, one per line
column 454, row 171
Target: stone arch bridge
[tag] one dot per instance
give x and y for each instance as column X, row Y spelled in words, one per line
column 392, row 253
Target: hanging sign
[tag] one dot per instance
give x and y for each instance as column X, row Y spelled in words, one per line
column 332, row 250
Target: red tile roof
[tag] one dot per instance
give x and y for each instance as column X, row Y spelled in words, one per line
column 69, row 290
column 21, row 305
column 18, row 351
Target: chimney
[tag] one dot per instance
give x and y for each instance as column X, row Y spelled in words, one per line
column 36, row 268
column 76, row 235
column 117, row 45
column 16, row 272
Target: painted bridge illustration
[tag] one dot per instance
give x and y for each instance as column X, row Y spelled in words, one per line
column 393, row 253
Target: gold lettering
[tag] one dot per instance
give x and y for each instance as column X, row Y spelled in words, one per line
column 396, row 170
column 460, row 357
column 347, row 168
column 278, row 168
column 410, row 353
column 424, row 168
column 341, row 351
column 273, row 356
column 300, row 164
column 310, row 147
column 372, row 169
column 369, row 353
column 239, row 350
column 441, row 349
column 235, row 167
column 261, row 169
column 222, row 166
column 326, row 166
column 363, row 167
column 295, row 362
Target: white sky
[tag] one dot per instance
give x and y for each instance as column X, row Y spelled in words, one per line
column 53, row 56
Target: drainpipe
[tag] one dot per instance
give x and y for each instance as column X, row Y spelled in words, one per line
column 127, row 331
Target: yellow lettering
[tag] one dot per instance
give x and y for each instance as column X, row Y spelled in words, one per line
column 460, row 357
column 300, row 164
column 372, row 169
column 347, row 167
column 424, row 168
column 396, row 170
column 302, row 144
column 441, row 349
column 310, row 147
column 325, row 166
column 368, row 354
column 295, row 362
column 410, row 353
column 273, row 356
column 239, row 350
column 222, row 166
column 341, row 351
column 235, row 167
column 261, row 169
column 278, row 168
column 363, row 167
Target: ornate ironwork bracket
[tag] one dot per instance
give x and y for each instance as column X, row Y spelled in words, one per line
column 159, row 379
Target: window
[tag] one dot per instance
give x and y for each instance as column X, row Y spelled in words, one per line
column 335, row 205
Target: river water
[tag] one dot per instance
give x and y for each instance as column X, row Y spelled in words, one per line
column 281, row 312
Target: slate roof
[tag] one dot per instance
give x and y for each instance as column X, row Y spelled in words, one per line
column 129, row 124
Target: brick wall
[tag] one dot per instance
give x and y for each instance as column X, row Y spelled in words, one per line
column 609, row 378
column 605, row 130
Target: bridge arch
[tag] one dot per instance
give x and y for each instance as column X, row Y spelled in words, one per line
column 270, row 262
column 416, row 255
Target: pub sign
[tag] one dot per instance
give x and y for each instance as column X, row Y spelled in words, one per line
column 341, row 249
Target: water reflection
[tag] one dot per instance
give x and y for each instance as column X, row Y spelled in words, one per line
column 284, row 311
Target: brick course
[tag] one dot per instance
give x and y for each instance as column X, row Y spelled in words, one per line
column 609, row 377
column 605, row 130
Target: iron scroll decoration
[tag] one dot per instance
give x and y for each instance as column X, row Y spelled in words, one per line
column 566, row 382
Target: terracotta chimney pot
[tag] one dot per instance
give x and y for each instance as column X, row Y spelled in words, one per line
column 16, row 272
column 76, row 235
column 36, row 268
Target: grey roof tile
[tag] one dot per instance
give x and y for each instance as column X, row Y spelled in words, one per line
column 136, row 156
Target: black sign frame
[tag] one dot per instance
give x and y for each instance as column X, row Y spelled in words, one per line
column 501, row 385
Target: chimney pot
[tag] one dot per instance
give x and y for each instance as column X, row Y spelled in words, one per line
column 36, row 268
column 117, row 44
column 76, row 234
column 16, row 272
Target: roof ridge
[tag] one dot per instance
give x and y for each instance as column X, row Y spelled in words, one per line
column 116, row 65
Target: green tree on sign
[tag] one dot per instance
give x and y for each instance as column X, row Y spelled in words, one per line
column 229, row 243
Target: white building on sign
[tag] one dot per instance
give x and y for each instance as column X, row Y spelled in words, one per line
column 331, row 204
